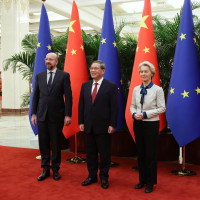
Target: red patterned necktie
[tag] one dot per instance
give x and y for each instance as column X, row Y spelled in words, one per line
column 94, row 93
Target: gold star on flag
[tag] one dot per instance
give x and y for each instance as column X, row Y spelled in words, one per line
column 49, row 47
column 82, row 47
column 172, row 91
column 182, row 36
column 73, row 51
column 143, row 22
column 115, row 44
column 198, row 90
column 195, row 40
column 70, row 26
column 146, row 50
column 38, row 44
column 185, row 94
column 137, row 48
column 154, row 45
column 103, row 40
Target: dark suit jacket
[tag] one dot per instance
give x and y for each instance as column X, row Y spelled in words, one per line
column 52, row 103
column 103, row 112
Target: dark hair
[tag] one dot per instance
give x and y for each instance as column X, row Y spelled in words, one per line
column 103, row 66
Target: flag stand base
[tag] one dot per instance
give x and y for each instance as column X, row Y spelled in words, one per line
column 183, row 172
column 135, row 168
column 114, row 164
column 38, row 157
column 76, row 160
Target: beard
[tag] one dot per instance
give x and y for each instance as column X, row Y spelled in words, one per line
column 49, row 66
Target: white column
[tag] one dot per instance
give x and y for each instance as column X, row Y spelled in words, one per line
column 14, row 26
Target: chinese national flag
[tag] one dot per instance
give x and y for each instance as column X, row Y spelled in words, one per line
column 146, row 51
column 76, row 66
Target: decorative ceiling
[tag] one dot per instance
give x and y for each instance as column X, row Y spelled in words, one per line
column 91, row 13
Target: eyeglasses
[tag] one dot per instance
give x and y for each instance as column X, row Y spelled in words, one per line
column 94, row 68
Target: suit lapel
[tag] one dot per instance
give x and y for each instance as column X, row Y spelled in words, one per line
column 44, row 80
column 100, row 91
column 89, row 91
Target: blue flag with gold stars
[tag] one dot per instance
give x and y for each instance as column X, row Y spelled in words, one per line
column 108, row 53
column 44, row 46
column 183, row 103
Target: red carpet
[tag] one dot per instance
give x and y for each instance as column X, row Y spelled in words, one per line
column 19, row 171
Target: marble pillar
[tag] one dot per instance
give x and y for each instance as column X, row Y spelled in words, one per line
column 14, row 26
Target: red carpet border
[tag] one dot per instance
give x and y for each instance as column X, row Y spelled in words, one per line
column 19, row 171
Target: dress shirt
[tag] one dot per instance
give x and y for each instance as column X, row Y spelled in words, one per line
column 98, row 86
column 153, row 105
column 53, row 75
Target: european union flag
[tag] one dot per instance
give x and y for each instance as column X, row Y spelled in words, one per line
column 44, row 46
column 109, row 55
column 183, row 103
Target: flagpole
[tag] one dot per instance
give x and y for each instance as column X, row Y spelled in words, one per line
column 76, row 159
column 183, row 171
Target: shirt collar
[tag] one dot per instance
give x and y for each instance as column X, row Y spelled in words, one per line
column 148, row 86
column 54, row 71
column 99, row 82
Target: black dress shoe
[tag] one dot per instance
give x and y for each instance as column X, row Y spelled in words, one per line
column 89, row 181
column 139, row 186
column 44, row 175
column 104, row 184
column 56, row 175
column 149, row 189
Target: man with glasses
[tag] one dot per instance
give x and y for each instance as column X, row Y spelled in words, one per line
column 50, row 112
column 98, row 114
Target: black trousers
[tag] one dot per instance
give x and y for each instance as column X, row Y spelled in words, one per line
column 101, row 144
column 49, row 135
column 146, row 137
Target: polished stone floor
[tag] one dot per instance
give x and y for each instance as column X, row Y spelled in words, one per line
column 16, row 131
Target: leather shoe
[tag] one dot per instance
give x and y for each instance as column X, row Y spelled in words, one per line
column 139, row 186
column 104, row 184
column 149, row 189
column 56, row 175
column 89, row 181
column 44, row 175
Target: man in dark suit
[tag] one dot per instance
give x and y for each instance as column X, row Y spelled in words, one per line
column 98, row 114
column 51, row 87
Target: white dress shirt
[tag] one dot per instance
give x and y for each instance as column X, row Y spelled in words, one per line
column 98, row 86
column 153, row 105
column 53, row 75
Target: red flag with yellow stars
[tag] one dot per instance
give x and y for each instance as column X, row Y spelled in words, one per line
column 76, row 66
column 146, row 51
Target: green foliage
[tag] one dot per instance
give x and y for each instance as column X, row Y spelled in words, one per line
column 91, row 43
column 59, row 47
column 126, row 51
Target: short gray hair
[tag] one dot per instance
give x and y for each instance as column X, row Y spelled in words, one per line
column 148, row 64
column 102, row 65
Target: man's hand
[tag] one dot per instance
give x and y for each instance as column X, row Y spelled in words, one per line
column 82, row 127
column 34, row 119
column 67, row 121
column 111, row 129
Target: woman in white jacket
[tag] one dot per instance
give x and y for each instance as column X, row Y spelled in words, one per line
column 147, row 103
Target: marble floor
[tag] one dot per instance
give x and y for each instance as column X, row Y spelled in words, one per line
column 16, row 131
